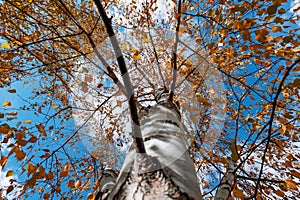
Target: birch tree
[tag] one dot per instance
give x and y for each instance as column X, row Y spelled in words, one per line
column 172, row 99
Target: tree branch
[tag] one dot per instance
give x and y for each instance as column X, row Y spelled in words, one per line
column 175, row 51
column 137, row 135
column 289, row 69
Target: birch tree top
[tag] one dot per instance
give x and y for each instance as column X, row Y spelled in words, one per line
column 233, row 67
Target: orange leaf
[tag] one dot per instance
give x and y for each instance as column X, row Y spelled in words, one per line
column 41, row 129
column 6, row 103
column 3, row 161
column 295, row 173
column 91, row 196
column 181, row 30
column 4, row 129
column 238, row 193
column 6, row 46
column 31, row 169
column 292, row 185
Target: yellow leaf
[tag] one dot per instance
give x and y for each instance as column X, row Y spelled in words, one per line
column 146, row 39
column 136, row 56
column 27, row 121
column 7, row 103
column 6, row 46
column 9, row 173
column 124, row 47
column 54, row 106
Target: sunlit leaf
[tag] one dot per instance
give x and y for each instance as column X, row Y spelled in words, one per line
column 9, row 173
column 291, row 185
column 28, row 121
column 6, row 46
column 91, row 196
column 6, row 104
column 136, row 56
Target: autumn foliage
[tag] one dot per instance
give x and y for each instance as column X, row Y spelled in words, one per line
column 243, row 65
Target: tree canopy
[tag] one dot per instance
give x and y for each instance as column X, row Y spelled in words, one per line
column 233, row 66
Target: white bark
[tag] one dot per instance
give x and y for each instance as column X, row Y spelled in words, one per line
column 166, row 171
column 224, row 191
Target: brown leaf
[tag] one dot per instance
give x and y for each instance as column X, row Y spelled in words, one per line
column 40, row 109
column 9, row 189
column 295, row 173
column 20, row 154
column 11, row 90
column 31, row 182
column 65, row 170
column 46, row 196
column 279, row 193
column 50, row 176
column 41, row 129
column 32, row 139
column 71, row 183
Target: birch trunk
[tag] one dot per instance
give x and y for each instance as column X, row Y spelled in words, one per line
column 166, row 171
